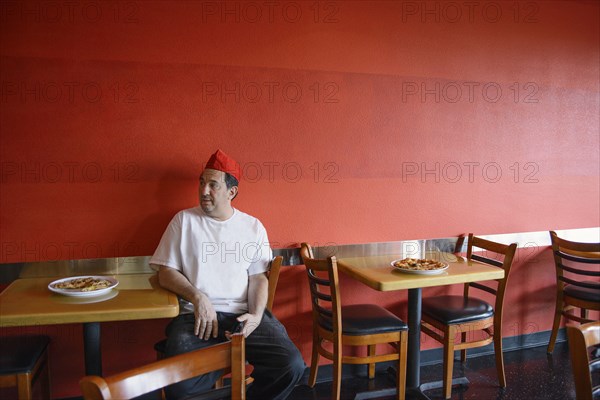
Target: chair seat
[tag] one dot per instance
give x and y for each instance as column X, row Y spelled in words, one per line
column 19, row 354
column 452, row 310
column 582, row 293
column 367, row 319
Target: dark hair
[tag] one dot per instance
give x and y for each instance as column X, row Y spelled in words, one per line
column 230, row 182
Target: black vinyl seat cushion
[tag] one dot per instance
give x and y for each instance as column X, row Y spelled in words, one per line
column 366, row 319
column 583, row 293
column 19, row 354
column 452, row 310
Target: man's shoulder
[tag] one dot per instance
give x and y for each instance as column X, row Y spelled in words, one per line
column 191, row 211
column 194, row 212
column 247, row 218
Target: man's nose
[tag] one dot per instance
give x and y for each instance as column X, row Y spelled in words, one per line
column 204, row 190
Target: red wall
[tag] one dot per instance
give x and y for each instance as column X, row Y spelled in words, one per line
column 354, row 122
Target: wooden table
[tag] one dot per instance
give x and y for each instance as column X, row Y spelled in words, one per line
column 27, row 302
column 376, row 272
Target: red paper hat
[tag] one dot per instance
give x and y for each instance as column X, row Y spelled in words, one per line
column 222, row 162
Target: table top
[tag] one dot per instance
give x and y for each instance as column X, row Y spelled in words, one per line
column 138, row 296
column 377, row 272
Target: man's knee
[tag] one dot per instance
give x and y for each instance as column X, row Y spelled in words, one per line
column 296, row 365
column 179, row 344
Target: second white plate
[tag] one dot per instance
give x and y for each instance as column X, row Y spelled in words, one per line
column 420, row 271
column 79, row 292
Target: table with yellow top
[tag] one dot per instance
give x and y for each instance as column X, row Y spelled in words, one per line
column 378, row 273
column 28, row 302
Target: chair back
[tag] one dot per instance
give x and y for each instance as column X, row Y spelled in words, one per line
column 323, row 283
column 154, row 376
column 490, row 256
column 576, row 263
column 273, row 279
column 24, row 364
column 581, row 338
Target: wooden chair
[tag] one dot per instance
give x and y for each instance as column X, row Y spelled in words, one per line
column 157, row 375
column 353, row 325
column 443, row 317
column 581, row 339
column 574, row 263
column 273, row 279
column 24, row 363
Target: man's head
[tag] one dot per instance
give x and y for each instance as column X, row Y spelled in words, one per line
column 219, row 185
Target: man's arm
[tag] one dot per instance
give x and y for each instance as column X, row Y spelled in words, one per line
column 206, row 317
column 258, row 292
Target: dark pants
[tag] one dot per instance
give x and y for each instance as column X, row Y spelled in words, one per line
column 278, row 365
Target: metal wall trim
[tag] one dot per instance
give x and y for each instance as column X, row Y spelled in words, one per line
column 291, row 256
column 523, row 240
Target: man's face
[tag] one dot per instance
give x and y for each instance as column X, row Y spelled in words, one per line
column 215, row 198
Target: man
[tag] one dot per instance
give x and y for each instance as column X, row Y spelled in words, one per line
column 215, row 258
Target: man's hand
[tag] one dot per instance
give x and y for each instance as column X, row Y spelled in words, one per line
column 258, row 286
column 206, row 318
column 249, row 322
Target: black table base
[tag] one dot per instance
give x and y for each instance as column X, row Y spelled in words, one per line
column 411, row 392
column 414, row 388
column 91, row 348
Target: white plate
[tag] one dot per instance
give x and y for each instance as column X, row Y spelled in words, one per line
column 419, row 271
column 87, row 300
column 79, row 292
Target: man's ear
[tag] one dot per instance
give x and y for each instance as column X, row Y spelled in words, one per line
column 233, row 192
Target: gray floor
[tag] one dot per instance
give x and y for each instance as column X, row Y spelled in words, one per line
column 531, row 374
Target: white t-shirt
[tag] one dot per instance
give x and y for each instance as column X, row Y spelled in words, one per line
column 216, row 256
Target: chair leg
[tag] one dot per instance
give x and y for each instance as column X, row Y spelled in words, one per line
column 499, row 359
column 161, row 393
column 24, row 386
column 314, row 362
column 555, row 325
column 401, row 378
column 220, row 383
column 372, row 365
column 45, row 382
column 463, row 352
column 448, row 361
column 337, row 372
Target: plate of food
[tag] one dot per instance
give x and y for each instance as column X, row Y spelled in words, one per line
column 420, row 266
column 83, row 286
